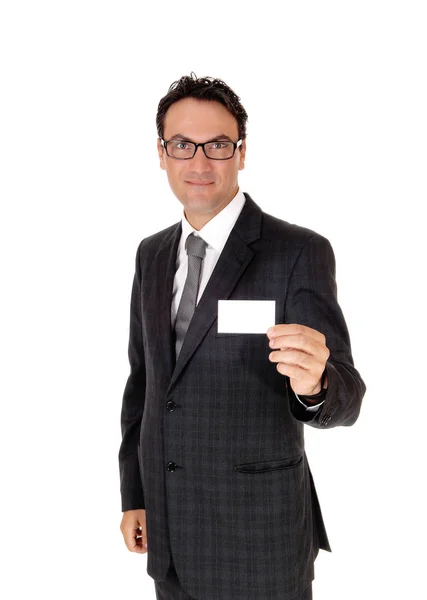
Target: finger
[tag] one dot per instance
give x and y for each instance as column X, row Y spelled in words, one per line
column 297, row 341
column 137, row 546
column 296, row 358
column 295, row 329
column 144, row 538
column 317, row 353
column 133, row 539
column 142, row 535
column 295, row 372
column 139, row 543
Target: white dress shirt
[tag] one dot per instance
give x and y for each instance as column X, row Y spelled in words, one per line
column 215, row 233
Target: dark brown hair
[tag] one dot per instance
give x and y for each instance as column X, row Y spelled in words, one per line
column 202, row 88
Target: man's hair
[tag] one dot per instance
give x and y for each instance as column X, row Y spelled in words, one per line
column 202, row 88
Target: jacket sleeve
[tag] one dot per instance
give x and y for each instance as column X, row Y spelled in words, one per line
column 312, row 301
column 133, row 403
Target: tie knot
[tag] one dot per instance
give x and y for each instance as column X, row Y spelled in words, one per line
column 195, row 246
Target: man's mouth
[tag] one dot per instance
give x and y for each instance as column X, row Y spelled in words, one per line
column 198, row 182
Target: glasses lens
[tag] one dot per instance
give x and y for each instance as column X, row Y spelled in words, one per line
column 219, row 150
column 179, row 149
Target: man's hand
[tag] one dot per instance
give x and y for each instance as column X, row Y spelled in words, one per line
column 134, row 530
column 301, row 355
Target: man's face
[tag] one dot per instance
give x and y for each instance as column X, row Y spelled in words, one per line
column 204, row 186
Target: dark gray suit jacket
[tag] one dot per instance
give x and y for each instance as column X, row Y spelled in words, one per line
column 213, row 446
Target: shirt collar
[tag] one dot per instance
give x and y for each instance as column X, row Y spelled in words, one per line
column 217, row 230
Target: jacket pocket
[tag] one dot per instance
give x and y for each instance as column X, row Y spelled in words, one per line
column 269, row 465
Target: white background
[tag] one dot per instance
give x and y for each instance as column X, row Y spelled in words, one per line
column 336, row 96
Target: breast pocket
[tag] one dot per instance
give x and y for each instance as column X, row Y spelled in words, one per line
column 265, row 466
column 248, row 337
column 238, row 335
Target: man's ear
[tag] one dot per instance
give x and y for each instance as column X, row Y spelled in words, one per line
column 242, row 151
column 161, row 152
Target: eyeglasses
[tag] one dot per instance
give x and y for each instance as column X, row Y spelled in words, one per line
column 216, row 150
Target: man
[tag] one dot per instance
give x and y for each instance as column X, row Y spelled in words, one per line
column 215, row 481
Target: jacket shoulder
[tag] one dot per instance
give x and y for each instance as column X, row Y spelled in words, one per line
column 276, row 229
column 155, row 241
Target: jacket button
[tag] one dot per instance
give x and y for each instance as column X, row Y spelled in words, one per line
column 170, row 405
column 171, row 466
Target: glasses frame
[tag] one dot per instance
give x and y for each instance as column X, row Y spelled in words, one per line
column 165, row 143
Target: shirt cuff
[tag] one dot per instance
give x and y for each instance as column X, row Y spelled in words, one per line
column 309, row 407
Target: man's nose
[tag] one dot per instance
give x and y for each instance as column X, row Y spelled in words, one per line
column 200, row 157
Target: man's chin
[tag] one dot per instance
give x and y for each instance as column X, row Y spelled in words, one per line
column 200, row 203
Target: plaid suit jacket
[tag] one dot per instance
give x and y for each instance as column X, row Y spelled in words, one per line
column 213, row 443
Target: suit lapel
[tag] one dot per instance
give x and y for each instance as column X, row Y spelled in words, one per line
column 158, row 302
column 234, row 258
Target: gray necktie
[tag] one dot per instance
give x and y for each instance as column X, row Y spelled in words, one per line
column 196, row 249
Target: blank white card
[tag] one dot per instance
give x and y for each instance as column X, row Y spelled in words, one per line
column 246, row 316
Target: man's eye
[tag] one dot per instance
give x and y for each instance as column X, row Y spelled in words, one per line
column 218, row 145
column 181, row 145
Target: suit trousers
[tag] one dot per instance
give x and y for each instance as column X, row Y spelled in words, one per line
column 170, row 588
